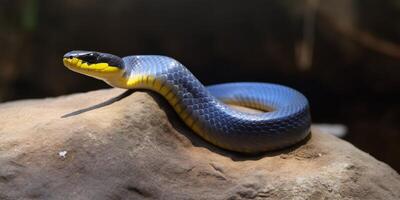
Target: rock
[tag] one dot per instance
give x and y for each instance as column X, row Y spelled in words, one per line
column 104, row 145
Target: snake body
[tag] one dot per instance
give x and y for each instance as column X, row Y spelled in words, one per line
column 205, row 109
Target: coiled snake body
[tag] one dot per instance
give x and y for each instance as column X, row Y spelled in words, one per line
column 204, row 109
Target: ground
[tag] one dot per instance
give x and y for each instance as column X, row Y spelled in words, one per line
column 112, row 144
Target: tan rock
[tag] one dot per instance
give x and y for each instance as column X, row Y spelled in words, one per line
column 98, row 146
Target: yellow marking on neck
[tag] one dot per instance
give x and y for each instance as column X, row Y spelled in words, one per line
column 196, row 128
column 173, row 101
column 189, row 121
column 184, row 114
column 150, row 80
column 136, row 80
column 170, row 96
column 164, row 90
column 178, row 108
column 145, row 80
column 141, row 79
column 157, row 85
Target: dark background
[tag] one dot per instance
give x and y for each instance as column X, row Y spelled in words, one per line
column 344, row 55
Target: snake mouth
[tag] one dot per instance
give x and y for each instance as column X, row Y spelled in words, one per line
column 78, row 65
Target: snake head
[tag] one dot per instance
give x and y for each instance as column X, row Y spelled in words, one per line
column 99, row 65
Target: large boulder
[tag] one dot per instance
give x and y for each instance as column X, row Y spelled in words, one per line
column 111, row 144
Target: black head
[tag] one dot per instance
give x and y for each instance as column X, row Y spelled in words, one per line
column 94, row 57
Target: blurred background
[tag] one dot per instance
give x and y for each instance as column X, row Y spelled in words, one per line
column 344, row 55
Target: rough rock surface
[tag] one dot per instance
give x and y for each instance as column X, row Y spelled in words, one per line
column 99, row 145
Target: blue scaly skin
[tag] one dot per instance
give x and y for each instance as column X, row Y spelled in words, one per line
column 205, row 109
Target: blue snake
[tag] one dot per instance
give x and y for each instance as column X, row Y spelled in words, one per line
column 285, row 121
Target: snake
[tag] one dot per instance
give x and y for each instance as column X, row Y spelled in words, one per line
column 284, row 118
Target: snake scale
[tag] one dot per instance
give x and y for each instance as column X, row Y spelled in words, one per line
column 205, row 109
